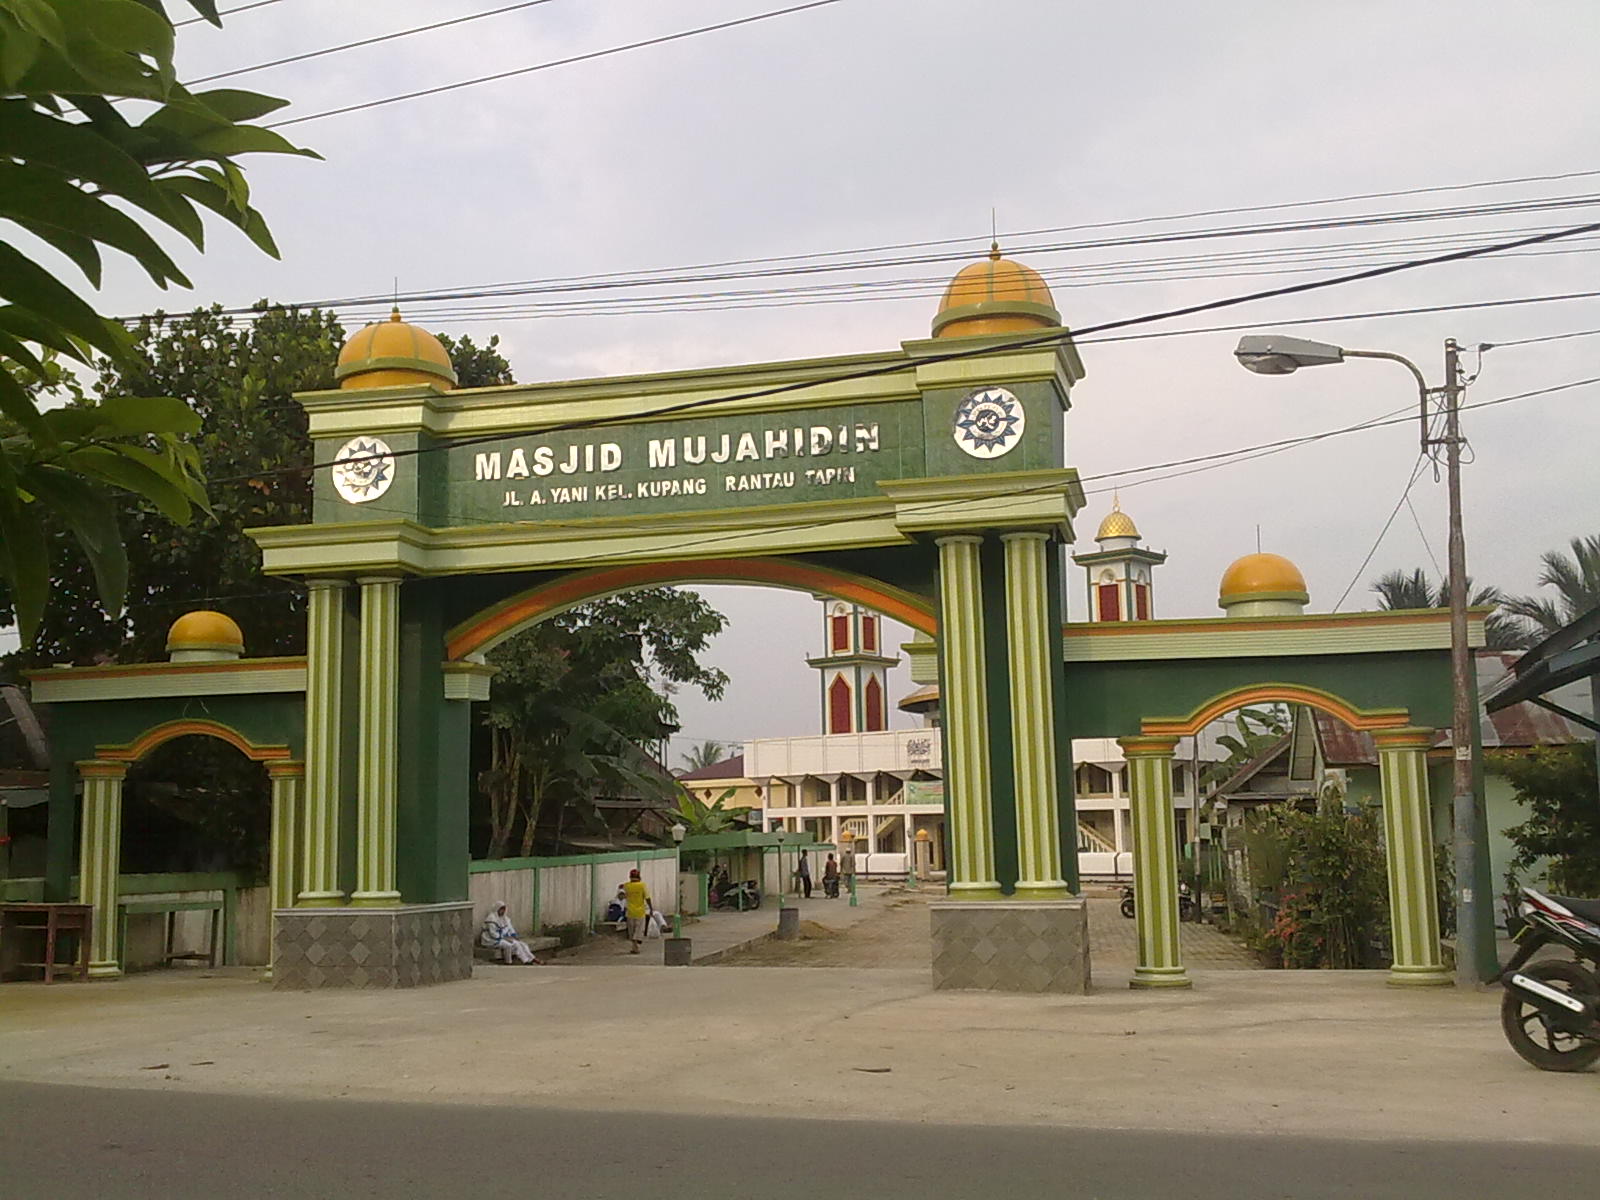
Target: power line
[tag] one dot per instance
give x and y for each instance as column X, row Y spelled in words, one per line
column 1416, row 474
column 1552, row 337
column 559, row 62
column 1053, row 338
column 1423, row 534
column 226, row 12
column 371, row 41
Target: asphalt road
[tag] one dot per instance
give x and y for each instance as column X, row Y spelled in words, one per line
column 62, row 1143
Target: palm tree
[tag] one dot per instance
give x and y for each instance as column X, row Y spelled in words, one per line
column 1577, row 583
column 707, row 753
column 1398, row 590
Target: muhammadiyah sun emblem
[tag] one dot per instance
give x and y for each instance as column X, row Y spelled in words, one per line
column 363, row 469
column 989, row 422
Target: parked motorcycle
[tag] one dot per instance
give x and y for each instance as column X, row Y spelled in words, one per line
column 1186, row 905
column 1551, row 1008
column 741, row 896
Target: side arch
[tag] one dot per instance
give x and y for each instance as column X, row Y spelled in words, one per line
column 484, row 630
column 158, row 735
column 1261, row 693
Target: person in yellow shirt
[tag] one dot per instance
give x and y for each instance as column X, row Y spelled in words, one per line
column 637, row 907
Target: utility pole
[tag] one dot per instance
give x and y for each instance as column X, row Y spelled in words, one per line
column 1465, row 801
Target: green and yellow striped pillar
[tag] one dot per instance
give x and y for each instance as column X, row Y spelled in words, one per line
column 966, row 719
column 1033, row 727
column 100, row 859
column 1408, row 846
column 319, row 843
column 1155, row 862
column 379, row 765
column 287, row 777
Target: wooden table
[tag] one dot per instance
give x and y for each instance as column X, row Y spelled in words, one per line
column 31, row 934
column 172, row 908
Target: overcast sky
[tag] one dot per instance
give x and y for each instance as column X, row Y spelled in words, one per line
column 879, row 122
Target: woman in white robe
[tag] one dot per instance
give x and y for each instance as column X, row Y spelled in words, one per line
column 501, row 936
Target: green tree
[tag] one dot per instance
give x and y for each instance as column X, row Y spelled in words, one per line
column 1576, row 578
column 1556, row 785
column 239, row 377
column 80, row 177
column 1399, row 590
column 575, row 697
column 706, row 753
column 698, row 817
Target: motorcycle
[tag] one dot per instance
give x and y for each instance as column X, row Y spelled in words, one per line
column 1551, row 1009
column 741, row 896
column 1186, row 905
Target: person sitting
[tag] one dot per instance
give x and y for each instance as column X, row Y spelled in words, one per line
column 616, row 910
column 500, row 936
column 830, row 878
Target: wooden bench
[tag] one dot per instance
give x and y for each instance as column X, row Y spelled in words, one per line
column 32, row 936
column 172, row 908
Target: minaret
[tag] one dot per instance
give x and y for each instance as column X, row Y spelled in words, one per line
column 854, row 669
column 1119, row 572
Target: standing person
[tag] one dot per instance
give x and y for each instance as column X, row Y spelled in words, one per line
column 847, row 866
column 804, row 872
column 500, row 936
column 637, row 906
column 830, row 878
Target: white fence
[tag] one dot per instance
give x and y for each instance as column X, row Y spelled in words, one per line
column 543, row 892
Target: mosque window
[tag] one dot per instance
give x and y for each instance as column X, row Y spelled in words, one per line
column 869, row 634
column 1106, row 602
column 1141, row 601
column 839, row 706
column 874, row 699
column 840, row 638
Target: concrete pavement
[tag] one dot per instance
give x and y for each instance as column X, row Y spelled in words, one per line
column 1246, row 1052
column 78, row 1144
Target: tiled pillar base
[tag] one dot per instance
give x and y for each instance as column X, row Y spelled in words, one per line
column 1011, row 945
column 410, row 945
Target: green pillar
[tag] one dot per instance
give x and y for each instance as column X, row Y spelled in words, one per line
column 1155, row 862
column 287, row 778
column 319, row 849
column 100, row 859
column 966, row 718
column 1408, row 848
column 379, row 767
column 1033, row 725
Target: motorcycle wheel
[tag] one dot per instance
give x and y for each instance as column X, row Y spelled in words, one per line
column 1530, row 1034
column 1186, row 909
column 1127, row 907
column 753, row 903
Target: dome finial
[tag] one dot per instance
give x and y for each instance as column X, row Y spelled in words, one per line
column 994, row 251
column 394, row 313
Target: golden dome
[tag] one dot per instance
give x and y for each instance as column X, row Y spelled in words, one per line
column 206, row 631
column 1117, row 524
column 393, row 353
column 995, row 296
column 1262, row 577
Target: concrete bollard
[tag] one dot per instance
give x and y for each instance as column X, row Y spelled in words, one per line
column 788, row 924
column 675, row 951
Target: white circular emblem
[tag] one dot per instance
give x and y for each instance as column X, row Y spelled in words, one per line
column 989, row 422
column 363, row 469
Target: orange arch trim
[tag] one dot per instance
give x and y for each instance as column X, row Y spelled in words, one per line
column 1290, row 693
column 546, row 600
column 159, row 734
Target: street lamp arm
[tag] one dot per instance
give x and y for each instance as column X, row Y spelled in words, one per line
column 1416, row 373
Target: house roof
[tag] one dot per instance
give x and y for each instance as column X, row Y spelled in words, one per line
column 728, row 768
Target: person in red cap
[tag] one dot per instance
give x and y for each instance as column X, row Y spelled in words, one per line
column 637, row 908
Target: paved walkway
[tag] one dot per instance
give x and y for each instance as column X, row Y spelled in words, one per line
column 1114, row 943
column 721, row 935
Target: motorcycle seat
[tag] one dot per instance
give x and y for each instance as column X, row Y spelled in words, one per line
column 1589, row 910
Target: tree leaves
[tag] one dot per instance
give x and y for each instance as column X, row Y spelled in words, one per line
column 67, row 155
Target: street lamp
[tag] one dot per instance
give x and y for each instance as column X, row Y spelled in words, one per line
column 1277, row 354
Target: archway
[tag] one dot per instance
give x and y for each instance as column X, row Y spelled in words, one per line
column 1402, row 748
column 100, row 853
